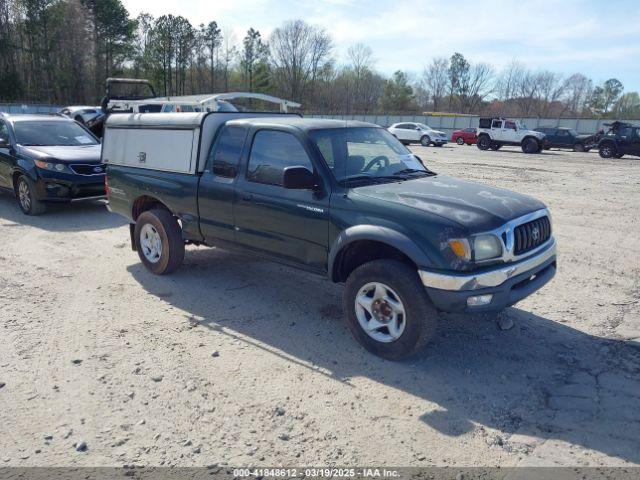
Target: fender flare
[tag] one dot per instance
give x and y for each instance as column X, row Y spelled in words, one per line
column 376, row 233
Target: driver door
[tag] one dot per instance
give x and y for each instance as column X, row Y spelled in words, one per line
column 292, row 225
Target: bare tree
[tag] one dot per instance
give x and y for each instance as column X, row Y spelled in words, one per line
column 298, row 51
column 435, row 79
column 577, row 90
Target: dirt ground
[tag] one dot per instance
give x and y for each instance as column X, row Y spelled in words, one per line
column 241, row 361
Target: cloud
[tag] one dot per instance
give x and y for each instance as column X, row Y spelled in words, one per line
column 542, row 34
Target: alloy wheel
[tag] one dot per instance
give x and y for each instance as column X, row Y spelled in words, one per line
column 151, row 243
column 24, row 195
column 380, row 312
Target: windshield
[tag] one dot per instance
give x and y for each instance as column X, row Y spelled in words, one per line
column 423, row 126
column 521, row 125
column 365, row 153
column 52, row 133
column 572, row 132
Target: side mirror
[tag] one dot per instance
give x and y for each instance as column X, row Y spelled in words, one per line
column 4, row 143
column 298, row 178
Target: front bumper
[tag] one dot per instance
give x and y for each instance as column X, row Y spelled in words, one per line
column 507, row 284
column 52, row 187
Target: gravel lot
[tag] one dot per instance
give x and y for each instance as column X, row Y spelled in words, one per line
column 241, row 361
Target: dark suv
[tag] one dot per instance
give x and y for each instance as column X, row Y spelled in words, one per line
column 621, row 139
column 563, row 137
column 48, row 158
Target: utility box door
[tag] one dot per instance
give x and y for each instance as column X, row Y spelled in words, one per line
column 171, row 150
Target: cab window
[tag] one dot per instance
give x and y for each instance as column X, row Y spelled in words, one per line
column 271, row 153
column 225, row 153
column 510, row 125
column 496, row 124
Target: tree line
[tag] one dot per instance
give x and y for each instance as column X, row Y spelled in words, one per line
column 61, row 51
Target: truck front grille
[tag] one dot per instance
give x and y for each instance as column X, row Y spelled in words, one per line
column 531, row 235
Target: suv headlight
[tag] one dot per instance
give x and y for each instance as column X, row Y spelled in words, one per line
column 54, row 167
column 486, row 247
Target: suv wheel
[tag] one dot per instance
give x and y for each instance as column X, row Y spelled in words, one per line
column 484, row 142
column 607, row 150
column 387, row 309
column 159, row 241
column 25, row 194
column 460, row 141
column 530, row 145
column 425, row 141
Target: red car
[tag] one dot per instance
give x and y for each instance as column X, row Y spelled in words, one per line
column 466, row 135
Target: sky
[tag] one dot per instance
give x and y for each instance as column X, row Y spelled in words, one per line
column 600, row 38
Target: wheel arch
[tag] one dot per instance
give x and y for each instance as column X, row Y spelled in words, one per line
column 362, row 243
column 145, row 203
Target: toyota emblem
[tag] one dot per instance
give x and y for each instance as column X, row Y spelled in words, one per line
column 535, row 233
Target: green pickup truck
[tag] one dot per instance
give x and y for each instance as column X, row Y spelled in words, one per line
column 345, row 200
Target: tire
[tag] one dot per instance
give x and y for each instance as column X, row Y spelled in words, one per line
column 578, row 147
column 484, row 142
column 607, row 150
column 26, row 197
column 425, row 141
column 161, row 226
column 530, row 145
column 495, row 146
column 460, row 141
column 416, row 327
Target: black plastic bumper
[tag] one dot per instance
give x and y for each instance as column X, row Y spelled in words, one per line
column 70, row 188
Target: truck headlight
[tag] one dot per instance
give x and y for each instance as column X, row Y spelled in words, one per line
column 486, row 247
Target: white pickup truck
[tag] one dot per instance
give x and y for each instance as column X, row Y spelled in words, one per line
column 495, row 132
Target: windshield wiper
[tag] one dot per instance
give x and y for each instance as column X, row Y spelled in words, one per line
column 414, row 170
column 368, row 178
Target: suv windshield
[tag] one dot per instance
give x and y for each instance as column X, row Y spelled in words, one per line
column 52, row 133
column 364, row 153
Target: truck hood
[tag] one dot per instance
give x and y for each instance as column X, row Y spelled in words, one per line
column 64, row 154
column 473, row 205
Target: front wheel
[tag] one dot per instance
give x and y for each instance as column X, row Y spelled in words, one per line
column 578, row 147
column 388, row 310
column 607, row 150
column 425, row 141
column 159, row 241
column 26, row 196
column 530, row 145
column 460, row 141
column 484, row 142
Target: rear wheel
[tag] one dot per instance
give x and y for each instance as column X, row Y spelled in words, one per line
column 26, row 196
column 159, row 241
column 607, row 150
column 530, row 145
column 425, row 141
column 388, row 310
column 484, row 142
column 460, row 141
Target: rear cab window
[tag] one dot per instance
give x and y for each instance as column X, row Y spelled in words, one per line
column 225, row 153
